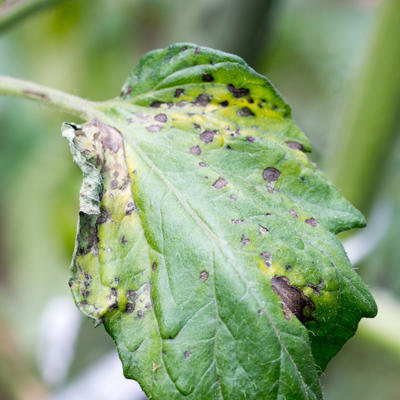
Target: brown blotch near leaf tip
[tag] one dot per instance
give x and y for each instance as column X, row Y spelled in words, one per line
column 293, row 299
column 295, row 145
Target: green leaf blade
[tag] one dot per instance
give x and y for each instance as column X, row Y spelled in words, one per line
column 211, row 257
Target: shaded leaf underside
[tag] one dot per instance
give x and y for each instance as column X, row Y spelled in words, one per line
column 206, row 239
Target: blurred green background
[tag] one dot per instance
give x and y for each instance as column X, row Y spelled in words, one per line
column 336, row 62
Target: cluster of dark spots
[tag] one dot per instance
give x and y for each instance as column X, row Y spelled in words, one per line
column 85, row 292
column 161, row 117
column 140, row 314
column 123, row 240
column 238, row 92
column 154, row 128
column 131, row 295
column 202, row 100
column 233, row 197
column 311, row 221
column 220, row 183
column 236, row 133
column 156, row 104
column 295, row 145
column 130, row 308
column 288, row 267
column 208, row 136
column 187, row 354
column 294, row 214
column 197, row 126
column 154, row 266
column 130, row 208
column 224, row 103
column 293, row 299
column 244, row 240
column 202, row 164
column 203, row 276
column 87, row 238
column 266, row 256
column 271, row 174
column 207, row 78
column 178, row 92
column 263, row 230
column 250, row 100
column 196, row 150
column 250, row 139
column 238, row 221
column 245, row 112
column 316, row 288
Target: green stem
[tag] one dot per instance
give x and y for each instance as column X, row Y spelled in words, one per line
column 51, row 97
column 370, row 120
column 14, row 10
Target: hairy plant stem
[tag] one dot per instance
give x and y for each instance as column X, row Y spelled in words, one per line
column 14, row 10
column 62, row 101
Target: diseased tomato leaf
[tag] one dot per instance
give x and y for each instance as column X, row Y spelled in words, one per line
column 206, row 241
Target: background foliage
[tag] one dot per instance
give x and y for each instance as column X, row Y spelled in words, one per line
column 312, row 50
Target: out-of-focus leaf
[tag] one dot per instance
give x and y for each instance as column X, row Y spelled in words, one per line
column 206, row 239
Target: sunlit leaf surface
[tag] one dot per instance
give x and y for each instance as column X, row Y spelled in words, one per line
column 206, row 240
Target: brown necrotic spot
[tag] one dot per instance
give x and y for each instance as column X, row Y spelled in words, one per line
column 197, row 126
column 154, row 266
column 196, row 150
column 202, row 164
column 238, row 92
column 207, row 136
column 202, row 100
column 295, row 145
column 220, row 183
column 203, row 276
column 131, row 295
column 154, row 128
column 130, row 208
column 244, row 240
column 294, row 214
column 311, row 221
column 266, row 255
column 207, row 78
column 224, row 103
column 288, row 267
column 271, row 174
column 233, row 197
column 262, row 230
column 293, row 299
column 140, row 314
column 123, row 240
column 250, row 139
column 130, row 308
column 187, row 354
column 161, row 117
column 156, row 104
column 245, row 112
column 178, row 92
column 316, row 288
